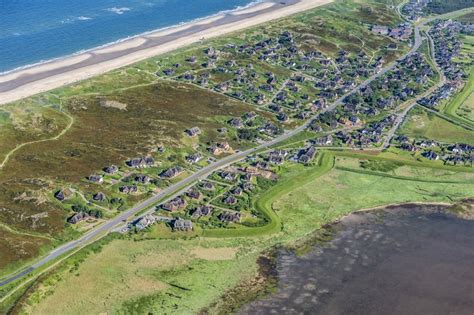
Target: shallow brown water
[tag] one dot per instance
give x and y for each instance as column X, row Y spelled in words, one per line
column 400, row 260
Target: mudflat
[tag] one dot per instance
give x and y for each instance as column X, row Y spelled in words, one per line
column 409, row 259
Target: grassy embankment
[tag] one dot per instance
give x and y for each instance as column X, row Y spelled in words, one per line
column 462, row 105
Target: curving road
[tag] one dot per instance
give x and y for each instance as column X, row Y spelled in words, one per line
column 178, row 187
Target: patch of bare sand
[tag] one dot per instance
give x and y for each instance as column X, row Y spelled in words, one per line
column 112, row 104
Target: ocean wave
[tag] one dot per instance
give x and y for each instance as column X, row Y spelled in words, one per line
column 118, row 11
column 76, row 18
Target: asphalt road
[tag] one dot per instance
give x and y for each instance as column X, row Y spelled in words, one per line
column 201, row 174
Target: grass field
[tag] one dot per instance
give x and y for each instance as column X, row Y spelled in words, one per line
column 425, row 125
column 183, row 276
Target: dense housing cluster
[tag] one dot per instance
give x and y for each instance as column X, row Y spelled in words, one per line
column 447, row 49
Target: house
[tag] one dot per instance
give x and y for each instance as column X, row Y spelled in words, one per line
column 208, row 186
column 192, row 132
column 202, row 211
column 141, row 162
column 172, row 172
column 379, row 29
column 430, row 155
column 250, row 115
column 248, row 186
column 224, row 146
column 128, row 189
column 175, row 204
column 236, row 123
column 283, row 117
column 278, row 153
column 63, row 194
column 306, row 155
column 182, row 225
column 194, row 158
column 408, row 147
column 144, row 222
column 142, row 179
column 228, row 176
column 278, row 160
column 112, row 169
column 237, row 191
column 229, row 217
column 100, row 196
column 326, row 140
column 219, row 148
column 98, row 179
column 77, row 217
column 193, row 193
column 230, row 200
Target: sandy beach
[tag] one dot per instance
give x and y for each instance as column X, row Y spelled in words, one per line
column 44, row 77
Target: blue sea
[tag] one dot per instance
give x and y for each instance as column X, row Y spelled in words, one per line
column 33, row 31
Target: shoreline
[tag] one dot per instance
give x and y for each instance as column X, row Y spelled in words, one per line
column 49, row 75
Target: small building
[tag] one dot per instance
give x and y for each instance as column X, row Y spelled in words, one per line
column 230, row 200
column 143, row 179
column 63, row 194
column 144, row 222
column 100, row 196
column 430, row 155
column 208, row 186
column 111, row 169
column 77, row 217
column 193, row 193
column 194, row 158
column 98, row 179
column 230, row 217
column 172, row 172
column 202, row 211
column 175, row 204
column 141, row 162
column 192, row 132
column 128, row 189
column 237, row 191
column 182, row 225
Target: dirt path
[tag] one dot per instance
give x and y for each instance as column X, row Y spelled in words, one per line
column 59, row 135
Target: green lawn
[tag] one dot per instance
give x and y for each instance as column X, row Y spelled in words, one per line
column 423, row 124
column 340, row 192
